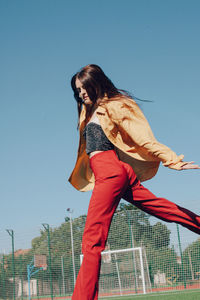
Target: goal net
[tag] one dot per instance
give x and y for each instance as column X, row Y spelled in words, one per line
column 123, row 271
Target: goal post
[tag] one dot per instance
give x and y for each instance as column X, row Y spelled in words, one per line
column 123, row 271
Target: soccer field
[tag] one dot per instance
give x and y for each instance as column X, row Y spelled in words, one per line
column 182, row 295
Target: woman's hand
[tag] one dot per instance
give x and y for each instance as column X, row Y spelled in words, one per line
column 189, row 165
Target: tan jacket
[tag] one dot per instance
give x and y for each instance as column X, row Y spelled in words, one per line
column 127, row 128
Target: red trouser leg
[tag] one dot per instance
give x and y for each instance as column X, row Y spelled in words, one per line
column 162, row 208
column 114, row 180
column 111, row 182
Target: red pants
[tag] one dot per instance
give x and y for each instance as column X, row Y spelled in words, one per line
column 115, row 180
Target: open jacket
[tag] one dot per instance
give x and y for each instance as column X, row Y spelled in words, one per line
column 126, row 127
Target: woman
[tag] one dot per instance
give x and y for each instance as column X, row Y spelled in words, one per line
column 117, row 151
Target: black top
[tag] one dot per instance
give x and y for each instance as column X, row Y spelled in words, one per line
column 96, row 140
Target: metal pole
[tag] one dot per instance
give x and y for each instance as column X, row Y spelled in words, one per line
column 46, row 227
column 30, row 273
column 11, row 233
column 142, row 271
column 3, row 275
column 190, row 261
column 145, row 256
column 134, row 259
column 21, row 267
column 132, row 246
column 63, row 273
column 29, row 281
column 119, row 281
column 180, row 250
column 72, row 243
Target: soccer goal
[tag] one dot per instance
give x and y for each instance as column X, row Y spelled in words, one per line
column 123, row 271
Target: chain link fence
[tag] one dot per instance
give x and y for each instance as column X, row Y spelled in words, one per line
column 162, row 266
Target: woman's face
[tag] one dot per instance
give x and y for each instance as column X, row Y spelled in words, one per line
column 83, row 93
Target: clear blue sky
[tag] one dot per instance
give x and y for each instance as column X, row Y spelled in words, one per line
column 150, row 48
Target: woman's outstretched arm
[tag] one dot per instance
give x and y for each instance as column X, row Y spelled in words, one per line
column 135, row 128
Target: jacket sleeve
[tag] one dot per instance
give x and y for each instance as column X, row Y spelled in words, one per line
column 134, row 127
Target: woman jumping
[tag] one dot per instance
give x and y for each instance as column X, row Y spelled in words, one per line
column 117, row 151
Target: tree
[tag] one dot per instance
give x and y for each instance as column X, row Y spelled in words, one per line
column 191, row 261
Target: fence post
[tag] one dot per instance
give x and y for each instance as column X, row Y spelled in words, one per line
column 63, row 273
column 3, row 279
column 11, row 233
column 21, row 268
column 132, row 246
column 180, row 250
column 46, row 227
column 190, row 263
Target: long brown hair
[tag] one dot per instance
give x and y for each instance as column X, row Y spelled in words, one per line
column 97, row 85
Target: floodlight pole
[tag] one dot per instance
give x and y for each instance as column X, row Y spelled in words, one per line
column 72, row 243
column 63, row 273
column 11, row 233
column 46, row 227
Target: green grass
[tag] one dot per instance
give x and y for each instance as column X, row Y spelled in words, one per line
column 175, row 295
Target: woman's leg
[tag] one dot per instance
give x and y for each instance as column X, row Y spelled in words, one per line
column 162, row 208
column 111, row 182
